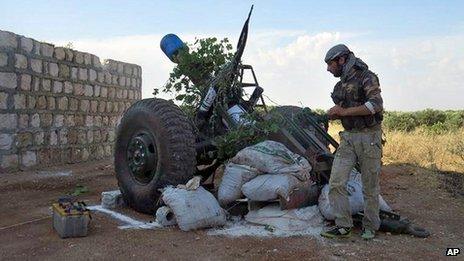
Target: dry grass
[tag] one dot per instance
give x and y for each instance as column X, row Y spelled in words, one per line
column 444, row 152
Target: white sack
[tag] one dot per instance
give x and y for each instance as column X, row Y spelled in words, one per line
column 356, row 199
column 194, row 209
column 270, row 187
column 231, row 185
column 273, row 158
column 112, row 199
column 288, row 220
column 165, row 217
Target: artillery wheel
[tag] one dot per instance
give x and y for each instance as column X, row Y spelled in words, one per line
column 155, row 147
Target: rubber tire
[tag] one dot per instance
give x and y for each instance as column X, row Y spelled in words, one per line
column 175, row 144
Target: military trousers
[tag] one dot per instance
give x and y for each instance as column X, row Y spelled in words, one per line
column 364, row 147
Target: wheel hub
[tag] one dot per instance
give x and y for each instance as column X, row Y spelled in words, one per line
column 142, row 157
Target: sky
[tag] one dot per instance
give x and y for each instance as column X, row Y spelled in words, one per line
column 415, row 47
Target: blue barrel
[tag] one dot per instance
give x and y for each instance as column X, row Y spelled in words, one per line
column 171, row 44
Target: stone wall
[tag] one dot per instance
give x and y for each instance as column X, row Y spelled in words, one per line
column 58, row 105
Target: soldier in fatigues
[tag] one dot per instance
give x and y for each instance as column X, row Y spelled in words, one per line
column 359, row 106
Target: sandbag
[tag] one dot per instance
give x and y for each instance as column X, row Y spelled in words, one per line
column 272, row 157
column 165, row 217
column 194, row 209
column 356, row 199
column 234, row 177
column 270, row 186
column 287, row 220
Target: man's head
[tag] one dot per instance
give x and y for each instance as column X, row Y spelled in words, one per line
column 335, row 58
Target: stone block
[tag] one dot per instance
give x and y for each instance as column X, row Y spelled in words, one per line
column 28, row 159
column 23, row 121
column 89, row 121
column 85, row 105
column 111, row 93
column 124, row 94
column 39, row 138
column 58, row 121
column 114, row 80
column 41, row 103
column 120, row 68
column 103, row 92
column 130, row 94
column 6, row 141
column 85, row 154
column 8, row 121
column 46, row 120
column 87, row 59
column 8, row 40
column 74, row 71
column 60, row 54
column 35, row 85
column 82, row 75
column 8, row 80
column 78, row 89
column 82, row 137
column 73, row 104
column 62, row 103
column 68, row 87
column 88, row 90
column 115, row 107
column 36, row 48
column 79, row 119
column 109, row 107
column 93, row 106
column 96, row 90
column 20, row 61
column 108, row 78
column 73, row 136
column 122, row 81
column 35, row 120
column 31, row 102
column 19, row 101
column 43, row 156
column 78, row 57
column 64, row 71
column 63, row 134
column 69, row 121
column 46, row 85
column 92, row 75
column 96, row 61
column 100, row 77
column 3, row 59
column 53, row 69
column 101, row 106
column 75, row 155
column 105, row 121
column 97, row 121
column 36, row 65
column 25, row 82
column 90, row 136
column 9, row 161
column 69, row 54
column 23, row 139
column 58, row 155
column 26, row 44
column 3, row 100
column 57, row 87
column 46, row 50
column 51, row 103
column 96, row 136
column 53, row 138
column 127, row 69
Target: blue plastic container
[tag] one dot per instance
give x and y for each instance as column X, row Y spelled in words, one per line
column 171, row 44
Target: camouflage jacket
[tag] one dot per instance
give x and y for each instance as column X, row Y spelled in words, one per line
column 361, row 87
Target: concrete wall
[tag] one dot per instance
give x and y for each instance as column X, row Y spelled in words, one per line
column 59, row 105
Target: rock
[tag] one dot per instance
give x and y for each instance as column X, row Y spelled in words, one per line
column 35, row 120
column 8, row 121
column 29, row 158
column 58, row 121
column 25, row 82
column 8, row 80
column 112, row 199
column 26, row 44
column 60, row 53
column 3, row 100
column 46, row 49
column 57, row 87
column 8, row 39
column 21, row 61
column 82, row 75
column 6, row 140
column 20, row 101
column 3, row 59
column 36, row 65
column 46, row 85
column 88, row 90
column 9, row 161
column 53, row 69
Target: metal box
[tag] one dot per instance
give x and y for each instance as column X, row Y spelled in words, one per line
column 72, row 224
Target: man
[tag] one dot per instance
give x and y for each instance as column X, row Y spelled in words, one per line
column 359, row 106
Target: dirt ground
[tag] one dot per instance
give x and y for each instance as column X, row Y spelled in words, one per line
column 431, row 200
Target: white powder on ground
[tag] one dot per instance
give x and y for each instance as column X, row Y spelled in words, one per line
column 130, row 223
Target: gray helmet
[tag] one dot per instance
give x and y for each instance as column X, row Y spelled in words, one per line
column 336, row 51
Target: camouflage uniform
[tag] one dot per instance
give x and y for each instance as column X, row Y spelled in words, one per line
column 360, row 142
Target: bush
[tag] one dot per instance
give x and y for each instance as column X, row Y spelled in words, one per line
column 434, row 121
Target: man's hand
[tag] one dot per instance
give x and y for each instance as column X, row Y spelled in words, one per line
column 336, row 112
